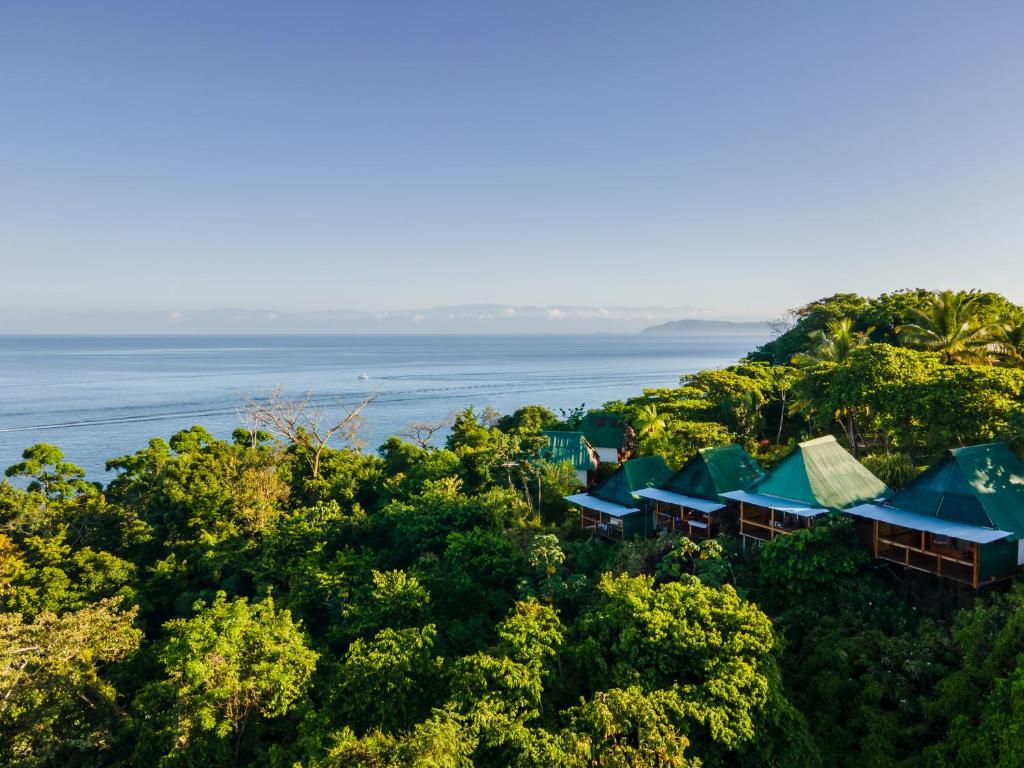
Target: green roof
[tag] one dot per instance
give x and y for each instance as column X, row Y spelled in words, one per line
column 821, row 473
column 714, row 471
column 643, row 472
column 569, row 446
column 605, row 430
column 982, row 486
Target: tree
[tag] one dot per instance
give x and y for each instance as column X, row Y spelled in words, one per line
column 797, row 569
column 1009, row 344
column 704, row 653
column 57, row 704
column 981, row 705
column 390, row 681
column 805, row 321
column 648, row 423
column 833, row 344
column 305, row 423
column 528, row 419
column 952, row 324
column 234, row 661
column 50, row 475
column 422, row 433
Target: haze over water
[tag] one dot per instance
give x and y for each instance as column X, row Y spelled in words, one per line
column 102, row 397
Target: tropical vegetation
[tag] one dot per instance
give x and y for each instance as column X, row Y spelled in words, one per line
column 281, row 598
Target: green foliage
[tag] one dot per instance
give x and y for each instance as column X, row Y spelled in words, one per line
column 389, row 681
column 953, row 324
column 706, row 651
column 807, row 320
column 980, row 703
column 529, row 419
column 801, row 568
column 50, row 475
column 435, row 606
column 893, row 469
column 58, row 705
column 233, row 662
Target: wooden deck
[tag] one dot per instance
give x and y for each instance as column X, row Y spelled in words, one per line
column 920, row 551
column 696, row 525
column 764, row 524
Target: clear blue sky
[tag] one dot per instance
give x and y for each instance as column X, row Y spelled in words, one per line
column 308, row 155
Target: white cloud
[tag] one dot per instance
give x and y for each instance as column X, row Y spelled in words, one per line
column 175, row 317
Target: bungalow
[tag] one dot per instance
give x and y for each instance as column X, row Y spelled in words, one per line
column 962, row 519
column 613, row 509
column 691, row 500
column 610, row 434
column 817, row 477
column 571, row 447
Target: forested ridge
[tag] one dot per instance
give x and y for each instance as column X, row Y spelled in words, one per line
column 284, row 599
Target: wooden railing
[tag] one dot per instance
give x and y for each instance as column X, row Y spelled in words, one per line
column 948, row 563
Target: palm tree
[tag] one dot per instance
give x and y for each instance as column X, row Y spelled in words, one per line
column 1009, row 344
column 648, row 422
column 951, row 324
column 834, row 344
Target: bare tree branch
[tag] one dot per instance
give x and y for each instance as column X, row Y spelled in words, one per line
column 422, row 432
column 305, row 422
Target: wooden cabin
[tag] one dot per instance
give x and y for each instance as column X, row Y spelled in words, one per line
column 613, row 509
column 962, row 519
column 816, row 477
column 691, row 500
column 572, row 447
column 610, row 434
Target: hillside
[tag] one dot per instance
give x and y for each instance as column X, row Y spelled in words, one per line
column 694, row 327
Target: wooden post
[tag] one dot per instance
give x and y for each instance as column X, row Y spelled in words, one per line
column 771, row 522
column 875, row 541
column 741, row 526
column 977, row 563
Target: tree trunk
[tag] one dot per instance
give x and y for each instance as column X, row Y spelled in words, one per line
column 782, row 418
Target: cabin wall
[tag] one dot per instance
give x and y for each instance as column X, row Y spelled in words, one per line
column 638, row 524
column 608, row 455
column 998, row 559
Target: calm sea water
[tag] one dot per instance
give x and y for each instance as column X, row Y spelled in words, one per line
column 102, row 397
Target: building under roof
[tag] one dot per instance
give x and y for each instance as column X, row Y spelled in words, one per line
column 571, row 447
column 691, row 498
column 816, row 477
column 962, row 518
column 612, row 509
column 609, row 433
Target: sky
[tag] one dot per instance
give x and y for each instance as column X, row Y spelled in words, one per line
column 299, row 156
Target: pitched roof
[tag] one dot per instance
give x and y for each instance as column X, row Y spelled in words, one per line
column 821, row 473
column 713, row 471
column 901, row 517
column 590, row 501
column 643, row 472
column 569, row 446
column 605, row 430
column 981, row 486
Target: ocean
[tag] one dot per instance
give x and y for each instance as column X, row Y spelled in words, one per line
column 99, row 397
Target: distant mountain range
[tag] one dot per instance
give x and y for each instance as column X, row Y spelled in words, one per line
column 696, row 327
column 462, row 318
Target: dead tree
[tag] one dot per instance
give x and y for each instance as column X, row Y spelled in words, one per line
column 422, row 432
column 306, row 423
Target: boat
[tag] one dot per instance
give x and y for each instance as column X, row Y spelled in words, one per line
column 363, row 376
